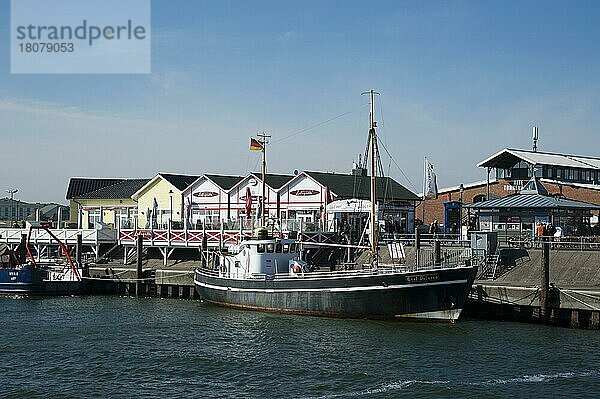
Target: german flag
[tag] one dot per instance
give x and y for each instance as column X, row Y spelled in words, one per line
column 255, row 145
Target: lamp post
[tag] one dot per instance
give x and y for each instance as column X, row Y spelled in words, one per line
column 461, row 189
column 12, row 193
column 170, row 207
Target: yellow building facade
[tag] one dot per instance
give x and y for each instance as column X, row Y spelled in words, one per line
column 160, row 201
column 96, row 202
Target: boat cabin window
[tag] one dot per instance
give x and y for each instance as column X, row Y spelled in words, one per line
column 260, row 248
column 270, row 248
column 293, row 247
column 286, row 248
column 278, row 248
column 237, row 263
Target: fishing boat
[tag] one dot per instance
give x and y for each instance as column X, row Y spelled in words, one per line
column 266, row 273
column 21, row 274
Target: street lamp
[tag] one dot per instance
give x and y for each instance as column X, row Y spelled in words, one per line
column 12, row 193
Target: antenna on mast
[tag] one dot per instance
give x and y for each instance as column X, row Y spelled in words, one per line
column 263, row 140
column 534, row 137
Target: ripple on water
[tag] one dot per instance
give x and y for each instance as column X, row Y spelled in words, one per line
column 128, row 347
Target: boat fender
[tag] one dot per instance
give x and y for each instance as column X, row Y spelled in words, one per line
column 296, row 269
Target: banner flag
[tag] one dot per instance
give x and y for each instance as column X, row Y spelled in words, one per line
column 430, row 187
column 255, row 145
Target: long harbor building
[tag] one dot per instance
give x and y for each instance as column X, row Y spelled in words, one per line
column 572, row 177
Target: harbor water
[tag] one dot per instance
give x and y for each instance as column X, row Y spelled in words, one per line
column 81, row 347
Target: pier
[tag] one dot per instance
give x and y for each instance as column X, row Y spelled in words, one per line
column 99, row 241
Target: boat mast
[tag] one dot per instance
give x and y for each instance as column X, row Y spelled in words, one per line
column 373, row 156
column 263, row 141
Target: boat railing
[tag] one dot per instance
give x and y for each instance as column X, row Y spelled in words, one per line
column 427, row 240
column 365, row 271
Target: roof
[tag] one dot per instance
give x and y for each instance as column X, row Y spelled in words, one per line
column 352, row 186
column 82, row 185
column 181, row 182
column 572, row 184
column 223, row 181
column 273, row 180
column 508, row 157
column 451, row 189
column 124, row 189
column 530, row 201
column 533, row 186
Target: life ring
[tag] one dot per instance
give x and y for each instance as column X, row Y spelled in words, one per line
column 296, row 269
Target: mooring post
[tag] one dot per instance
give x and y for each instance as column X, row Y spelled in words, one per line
column 85, row 271
column 545, row 286
column 139, row 249
column 22, row 249
column 417, row 247
column 437, row 253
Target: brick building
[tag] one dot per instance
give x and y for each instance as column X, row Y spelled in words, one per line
column 571, row 176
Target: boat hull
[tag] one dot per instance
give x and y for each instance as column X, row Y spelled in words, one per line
column 24, row 280
column 34, row 281
column 436, row 294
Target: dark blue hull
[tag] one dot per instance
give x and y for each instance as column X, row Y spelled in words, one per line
column 25, row 280
column 30, row 280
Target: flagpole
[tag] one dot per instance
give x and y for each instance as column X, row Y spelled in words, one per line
column 264, row 137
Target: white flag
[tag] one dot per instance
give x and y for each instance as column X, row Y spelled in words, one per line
column 430, row 186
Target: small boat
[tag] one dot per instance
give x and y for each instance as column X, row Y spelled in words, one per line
column 22, row 276
column 266, row 273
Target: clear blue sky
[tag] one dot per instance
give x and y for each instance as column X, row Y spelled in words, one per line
column 460, row 80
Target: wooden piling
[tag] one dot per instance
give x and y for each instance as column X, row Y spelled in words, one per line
column 545, row 283
column 594, row 320
column 139, row 276
column 575, row 318
column 417, row 247
column 85, row 271
column 437, row 252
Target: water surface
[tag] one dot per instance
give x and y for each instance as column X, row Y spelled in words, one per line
column 81, row 347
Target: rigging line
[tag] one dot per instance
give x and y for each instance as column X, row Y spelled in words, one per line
column 398, row 166
column 387, row 181
column 580, row 301
column 247, row 161
column 319, row 124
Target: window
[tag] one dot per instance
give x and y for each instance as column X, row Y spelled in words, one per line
column 559, row 173
column 260, row 248
column 479, row 198
column 522, row 170
column 93, row 218
column 292, row 247
column 286, row 248
column 208, row 217
column 575, row 174
column 278, row 248
column 270, row 248
column 547, row 172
